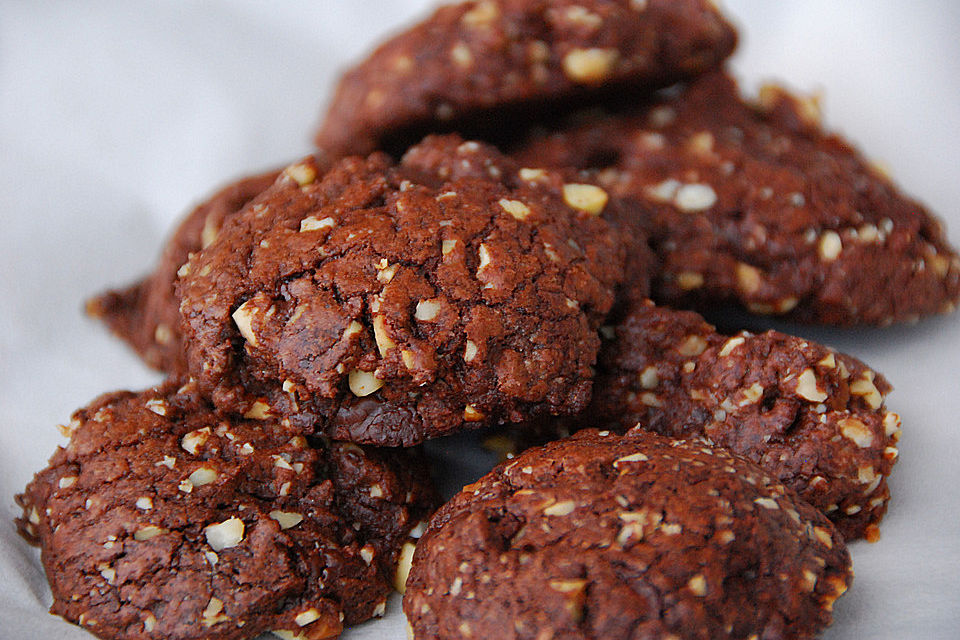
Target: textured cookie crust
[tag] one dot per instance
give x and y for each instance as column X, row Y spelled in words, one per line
column 487, row 56
column 756, row 204
column 602, row 536
column 813, row 418
column 160, row 520
column 387, row 303
column 146, row 314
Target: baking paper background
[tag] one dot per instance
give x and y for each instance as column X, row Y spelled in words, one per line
column 116, row 117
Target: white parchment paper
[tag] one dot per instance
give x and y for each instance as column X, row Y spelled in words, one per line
column 116, row 117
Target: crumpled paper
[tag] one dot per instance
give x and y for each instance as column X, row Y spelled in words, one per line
column 116, row 117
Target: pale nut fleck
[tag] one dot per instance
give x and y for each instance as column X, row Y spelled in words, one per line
column 367, row 553
column 203, row 476
column 403, row 567
column 66, row 482
column 427, row 310
column 730, row 345
column 148, row 532
column 830, row 246
column 693, row 345
column 482, row 15
column 461, row 55
column 259, row 410
column 663, row 191
column 311, row 223
column 865, row 388
column 469, row 351
column 515, row 208
column 243, row 318
column 532, row 175
column 562, row 508
column 224, row 535
column 752, row 394
column 157, row 406
column 588, row 66
column 767, row 503
column 484, row 255
column 192, row 441
column 384, row 342
column 857, row 431
column 472, row 414
column 306, row 617
column 697, row 585
column 144, row 503
column 649, row 378
column 748, row 278
column 585, row 197
column 633, row 457
column 213, row 613
column 828, row 361
column 891, row 423
column 689, row 280
column 302, row 174
column 447, row 246
column 807, row 386
column 695, row 197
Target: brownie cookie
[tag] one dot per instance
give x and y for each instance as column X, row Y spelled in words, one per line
column 146, row 314
column 813, row 418
column 161, row 520
column 481, row 60
column 756, row 204
column 390, row 302
column 602, row 536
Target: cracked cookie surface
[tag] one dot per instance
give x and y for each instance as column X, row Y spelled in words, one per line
column 160, row 519
column 390, row 302
column 813, row 418
column 146, row 314
column 757, row 205
column 479, row 60
column 635, row 536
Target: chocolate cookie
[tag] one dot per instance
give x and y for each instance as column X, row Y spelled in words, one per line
column 603, row 536
column 813, row 418
column 482, row 60
column 146, row 314
column 756, row 204
column 160, row 520
column 391, row 302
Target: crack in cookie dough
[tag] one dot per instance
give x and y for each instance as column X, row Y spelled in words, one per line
column 183, row 524
column 282, row 310
column 607, row 536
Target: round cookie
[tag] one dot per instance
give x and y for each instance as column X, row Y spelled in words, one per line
column 757, row 205
column 812, row 418
column 159, row 519
column 489, row 62
column 387, row 303
column 146, row 314
column 636, row 536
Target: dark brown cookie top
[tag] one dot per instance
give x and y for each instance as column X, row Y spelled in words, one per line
column 756, row 204
column 813, row 418
column 496, row 55
column 146, row 314
column 605, row 536
column 387, row 303
column 160, row 519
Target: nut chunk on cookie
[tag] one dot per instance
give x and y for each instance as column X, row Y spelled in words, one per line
column 146, row 314
column 811, row 417
column 387, row 303
column 603, row 536
column 472, row 58
column 757, row 205
column 160, row 520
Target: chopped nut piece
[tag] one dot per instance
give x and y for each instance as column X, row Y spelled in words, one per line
column 693, row 345
column 191, row 442
column 563, row 508
column 302, row 174
column 404, row 563
column 807, row 386
column 585, row 197
column 147, row 532
column 202, row 476
column 259, row 410
column 589, row 66
column 311, row 223
column 427, row 310
column 689, row 280
column 384, row 341
column 830, row 246
column 472, row 414
column 243, row 318
column 748, row 277
column 363, row 383
column 224, row 535
column 857, row 431
column 515, row 208
column 695, row 197
column 697, row 585
column 730, row 345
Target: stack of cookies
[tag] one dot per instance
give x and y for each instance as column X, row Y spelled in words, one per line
column 515, row 211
